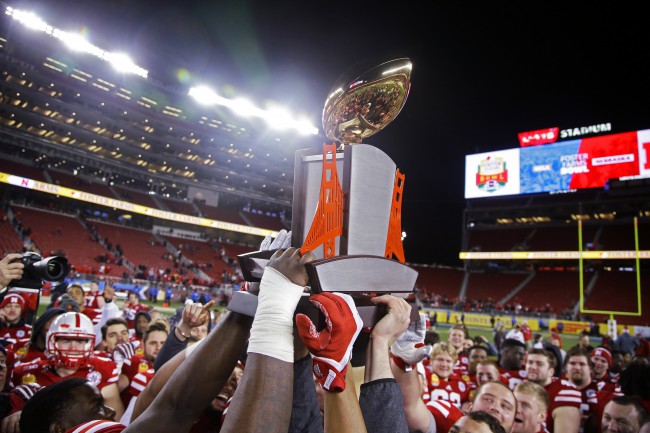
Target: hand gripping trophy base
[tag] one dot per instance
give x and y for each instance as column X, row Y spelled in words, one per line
column 359, row 276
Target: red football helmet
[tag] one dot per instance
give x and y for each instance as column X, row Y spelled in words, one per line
column 71, row 339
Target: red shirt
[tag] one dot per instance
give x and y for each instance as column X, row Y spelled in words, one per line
column 98, row 426
column 561, row 393
column 593, row 403
column 460, row 368
column 130, row 368
column 14, row 333
column 131, row 310
column 454, row 389
column 444, row 414
column 91, row 308
column 512, row 377
column 99, row 371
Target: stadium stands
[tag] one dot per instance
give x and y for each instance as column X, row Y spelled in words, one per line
column 57, row 234
column 221, row 214
column 264, row 221
column 10, row 241
column 75, row 182
column 204, row 255
column 446, row 282
column 494, row 286
column 136, row 197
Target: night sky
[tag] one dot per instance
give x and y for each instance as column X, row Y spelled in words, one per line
column 481, row 73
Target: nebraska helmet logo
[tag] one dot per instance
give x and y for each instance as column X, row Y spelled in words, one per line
column 492, row 174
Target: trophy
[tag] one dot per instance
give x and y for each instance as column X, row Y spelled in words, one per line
column 351, row 223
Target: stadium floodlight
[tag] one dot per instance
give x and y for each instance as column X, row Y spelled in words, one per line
column 123, row 63
column 76, row 42
column 277, row 118
column 245, row 108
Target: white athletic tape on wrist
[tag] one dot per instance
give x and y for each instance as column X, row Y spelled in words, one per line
column 272, row 331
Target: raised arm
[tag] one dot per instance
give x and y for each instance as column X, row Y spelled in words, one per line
column 406, row 352
column 192, row 386
column 381, row 400
column 332, row 350
column 262, row 402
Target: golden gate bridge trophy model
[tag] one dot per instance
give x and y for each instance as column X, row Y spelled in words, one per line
column 347, row 200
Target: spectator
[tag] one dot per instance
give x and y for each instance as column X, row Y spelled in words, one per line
column 12, row 321
column 499, row 337
column 626, row 343
column 516, row 334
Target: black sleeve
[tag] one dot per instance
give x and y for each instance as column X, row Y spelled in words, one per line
column 305, row 410
column 171, row 347
column 382, row 407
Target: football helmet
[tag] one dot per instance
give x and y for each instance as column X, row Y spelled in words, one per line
column 71, row 326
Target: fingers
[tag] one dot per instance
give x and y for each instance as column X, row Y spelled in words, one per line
column 209, row 305
column 307, row 257
column 10, row 257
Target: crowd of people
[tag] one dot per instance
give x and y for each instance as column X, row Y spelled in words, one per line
column 88, row 365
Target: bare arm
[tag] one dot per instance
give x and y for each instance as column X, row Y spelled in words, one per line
column 156, row 384
column 342, row 411
column 112, row 398
column 268, row 383
column 417, row 415
column 391, row 326
column 566, row 419
column 191, row 388
column 263, row 400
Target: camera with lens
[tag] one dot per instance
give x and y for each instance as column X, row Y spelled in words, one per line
column 38, row 269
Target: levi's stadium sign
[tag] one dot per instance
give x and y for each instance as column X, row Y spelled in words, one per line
column 551, row 135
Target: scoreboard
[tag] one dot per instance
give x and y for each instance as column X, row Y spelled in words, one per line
column 557, row 167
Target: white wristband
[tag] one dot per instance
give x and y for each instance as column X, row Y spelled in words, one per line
column 272, row 331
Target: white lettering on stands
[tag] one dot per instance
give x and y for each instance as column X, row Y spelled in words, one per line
column 584, row 130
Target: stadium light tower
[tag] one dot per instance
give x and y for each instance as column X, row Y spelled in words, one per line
column 76, row 42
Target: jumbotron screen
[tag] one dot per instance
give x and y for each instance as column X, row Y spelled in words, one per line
column 563, row 166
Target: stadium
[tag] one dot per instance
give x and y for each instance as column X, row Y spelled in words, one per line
column 137, row 181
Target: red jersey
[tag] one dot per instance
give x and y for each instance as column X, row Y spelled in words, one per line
column 139, row 381
column 91, row 308
column 14, row 333
column 100, row 372
column 512, row 377
column 609, row 382
column 98, row 426
column 461, row 365
column 454, row 389
column 16, row 352
column 130, row 368
column 444, row 414
column 561, row 393
column 130, row 311
column 593, row 403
